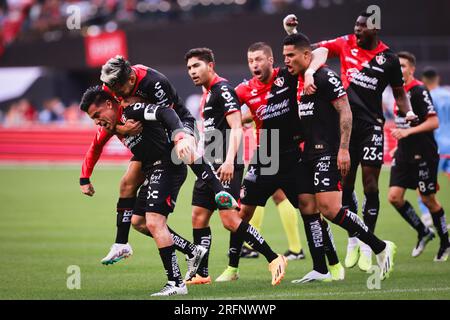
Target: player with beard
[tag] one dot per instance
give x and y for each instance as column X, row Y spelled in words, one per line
column 416, row 161
column 220, row 109
column 367, row 66
column 271, row 96
column 326, row 122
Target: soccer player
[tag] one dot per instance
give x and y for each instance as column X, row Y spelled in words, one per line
column 222, row 123
column 416, row 161
column 271, row 95
column 163, row 178
column 367, row 67
column 132, row 179
column 326, row 122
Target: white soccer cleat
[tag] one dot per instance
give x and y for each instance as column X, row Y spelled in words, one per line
column 385, row 260
column 442, row 254
column 170, row 289
column 194, row 262
column 365, row 257
column 314, row 276
column 118, row 252
column 352, row 256
column 422, row 242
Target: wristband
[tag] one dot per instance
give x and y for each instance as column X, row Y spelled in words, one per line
column 84, row 181
column 410, row 114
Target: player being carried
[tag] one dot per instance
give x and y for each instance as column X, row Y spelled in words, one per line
column 141, row 83
column 367, row 67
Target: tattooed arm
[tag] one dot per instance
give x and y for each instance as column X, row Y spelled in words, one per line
column 342, row 106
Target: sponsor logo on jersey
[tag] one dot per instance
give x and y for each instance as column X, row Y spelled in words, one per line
column 354, row 52
column 361, row 79
column 265, row 112
column 306, row 109
column 254, row 92
column 279, row 82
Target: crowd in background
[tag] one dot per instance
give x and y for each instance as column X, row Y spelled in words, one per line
column 47, row 18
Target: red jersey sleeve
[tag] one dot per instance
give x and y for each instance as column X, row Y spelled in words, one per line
column 334, row 46
column 241, row 93
column 93, row 154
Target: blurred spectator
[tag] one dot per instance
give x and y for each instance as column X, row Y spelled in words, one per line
column 20, row 113
column 53, row 111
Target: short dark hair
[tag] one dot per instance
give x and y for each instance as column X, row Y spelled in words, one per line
column 261, row 46
column 298, row 40
column 204, row 54
column 430, row 73
column 408, row 56
column 94, row 95
column 365, row 14
column 116, row 71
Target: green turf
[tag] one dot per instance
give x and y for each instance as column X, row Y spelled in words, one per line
column 47, row 225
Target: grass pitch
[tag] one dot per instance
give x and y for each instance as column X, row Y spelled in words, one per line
column 47, row 225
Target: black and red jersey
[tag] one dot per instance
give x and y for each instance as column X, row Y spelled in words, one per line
column 274, row 106
column 218, row 101
column 422, row 145
column 154, row 142
column 365, row 74
column 318, row 117
column 155, row 88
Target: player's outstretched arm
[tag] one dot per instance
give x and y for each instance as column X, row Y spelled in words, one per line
column 130, row 128
column 342, row 106
column 319, row 58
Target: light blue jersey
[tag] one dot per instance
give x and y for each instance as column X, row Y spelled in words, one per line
column 441, row 102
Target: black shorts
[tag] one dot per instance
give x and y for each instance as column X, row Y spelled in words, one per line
column 160, row 189
column 203, row 196
column 420, row 175
column 318, row 175
column 366, row 144
column 257, row 187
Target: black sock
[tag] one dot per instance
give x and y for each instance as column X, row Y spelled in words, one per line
column 125, row 208
column 314, row 235
column 170, row 262
column 370, row 209
column 205, row 171
column 255, row 240
column 356, row 228
column 441, row 226
column 182, row 244
column 328, row 241
column 203, row 237
column 409, row 214
column 234, row 251
column 349, row 201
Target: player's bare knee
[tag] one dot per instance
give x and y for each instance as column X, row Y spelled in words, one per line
column 395, row 199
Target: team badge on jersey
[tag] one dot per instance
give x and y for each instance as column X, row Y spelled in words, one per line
column 381, row 59
column 279, row 82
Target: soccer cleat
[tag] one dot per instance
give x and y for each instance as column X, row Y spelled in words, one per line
column 230, row 274
column 314, row 276
column 278, row 268
column 198, row 279
column 194, row 262
column 170, row 289
column 422, row 242
column 249, row 253
column 294, row 256
column 337, row 272
column 442, row 254
column 365, row 257
column 118, row 252
column 352, row 256
column 224, row 200
column 385, row 260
